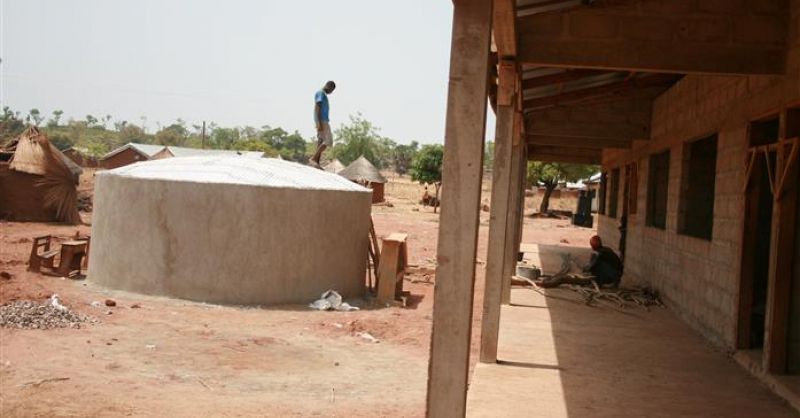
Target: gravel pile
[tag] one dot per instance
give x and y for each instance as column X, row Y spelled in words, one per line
column 25, row 314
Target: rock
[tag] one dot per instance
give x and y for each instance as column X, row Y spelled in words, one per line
column 26, row 314
column 6, row 275
column 137, row 306
column 111, row 302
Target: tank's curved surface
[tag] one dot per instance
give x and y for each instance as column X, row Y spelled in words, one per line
column 229, row 230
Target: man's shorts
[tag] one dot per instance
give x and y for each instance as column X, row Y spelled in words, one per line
column 324, row 135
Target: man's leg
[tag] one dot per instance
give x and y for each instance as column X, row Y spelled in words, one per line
column 318, row 154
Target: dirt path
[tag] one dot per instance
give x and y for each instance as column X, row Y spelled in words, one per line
column 170, row 357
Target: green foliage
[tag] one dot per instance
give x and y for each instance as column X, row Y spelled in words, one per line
column 360, row 137
column 36, row 116
column 53, row 122
column 10, row 125
column 550, row 174
column 426, row 167
column 172, row 135
column 255, row 145
column 488, row 156
column 60, row 140
column 290, row 146
column 403, row 156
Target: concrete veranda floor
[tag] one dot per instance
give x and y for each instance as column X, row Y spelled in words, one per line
column 561, row 358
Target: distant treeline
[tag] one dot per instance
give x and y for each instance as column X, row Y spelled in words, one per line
column 97, row 136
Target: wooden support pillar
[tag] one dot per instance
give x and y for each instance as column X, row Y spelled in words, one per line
column 515, row 216
column 499, row 215
column 448, row 365
column 784, row 221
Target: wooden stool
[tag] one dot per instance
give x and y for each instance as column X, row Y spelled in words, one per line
column 392, row 267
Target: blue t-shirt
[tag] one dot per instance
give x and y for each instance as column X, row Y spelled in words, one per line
column 321, row 98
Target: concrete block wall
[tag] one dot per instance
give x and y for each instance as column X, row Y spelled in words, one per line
column 697, row 277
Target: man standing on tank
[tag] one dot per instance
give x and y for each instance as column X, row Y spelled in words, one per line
column 322, row 121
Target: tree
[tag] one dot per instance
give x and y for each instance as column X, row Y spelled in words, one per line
column 10, row 125
column 55, row 119
column 90, row 120
column 426, row 168
column 290, row 146
column 550, row 174
column 224, row 138
column 36, row 115
column 488, row 156
column 360, row 137
column 255, row 145
column 403, row 155
column 174, row 134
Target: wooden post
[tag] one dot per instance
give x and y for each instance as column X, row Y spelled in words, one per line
column 517, row 198
column 501, row 190
column 784, row 220
column 448, row 365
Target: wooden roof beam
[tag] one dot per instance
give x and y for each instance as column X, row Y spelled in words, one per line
column 504, row 31
column 621, row 120
column 657, row 38
column 565, row 155
column 578, row 142
column 630, row 85
column 566, row 76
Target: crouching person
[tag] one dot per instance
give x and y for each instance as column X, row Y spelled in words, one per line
column 605, row 266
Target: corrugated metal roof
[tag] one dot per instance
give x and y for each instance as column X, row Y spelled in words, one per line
column 263, row 172
column 146, row 150
column 194, row 152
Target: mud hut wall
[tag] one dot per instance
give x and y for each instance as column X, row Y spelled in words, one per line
column 698, row 277
column 225, row 243
column 377, row 192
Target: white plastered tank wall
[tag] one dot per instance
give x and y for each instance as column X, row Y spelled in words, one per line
column 229, row 230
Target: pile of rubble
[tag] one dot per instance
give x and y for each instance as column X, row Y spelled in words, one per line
column 26, row 314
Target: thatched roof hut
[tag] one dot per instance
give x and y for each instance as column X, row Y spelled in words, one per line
column 334, row 166
column 363, row 172
column 38, row 182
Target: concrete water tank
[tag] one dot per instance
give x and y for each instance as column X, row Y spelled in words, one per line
column 229, row 230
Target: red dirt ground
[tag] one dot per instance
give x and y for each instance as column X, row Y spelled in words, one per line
column 177, row 358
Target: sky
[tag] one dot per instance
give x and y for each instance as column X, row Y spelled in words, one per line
column 237, row 62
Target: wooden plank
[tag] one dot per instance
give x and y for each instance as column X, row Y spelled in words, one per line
column 664, row 80
column 568, row 75
column 569, row 141
column 499, row 214
column 387, row 270
column 627, row 119
column 545, row 40
column 448, row 365
column 781, row 266
column 504, row 29
column 515, row 218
